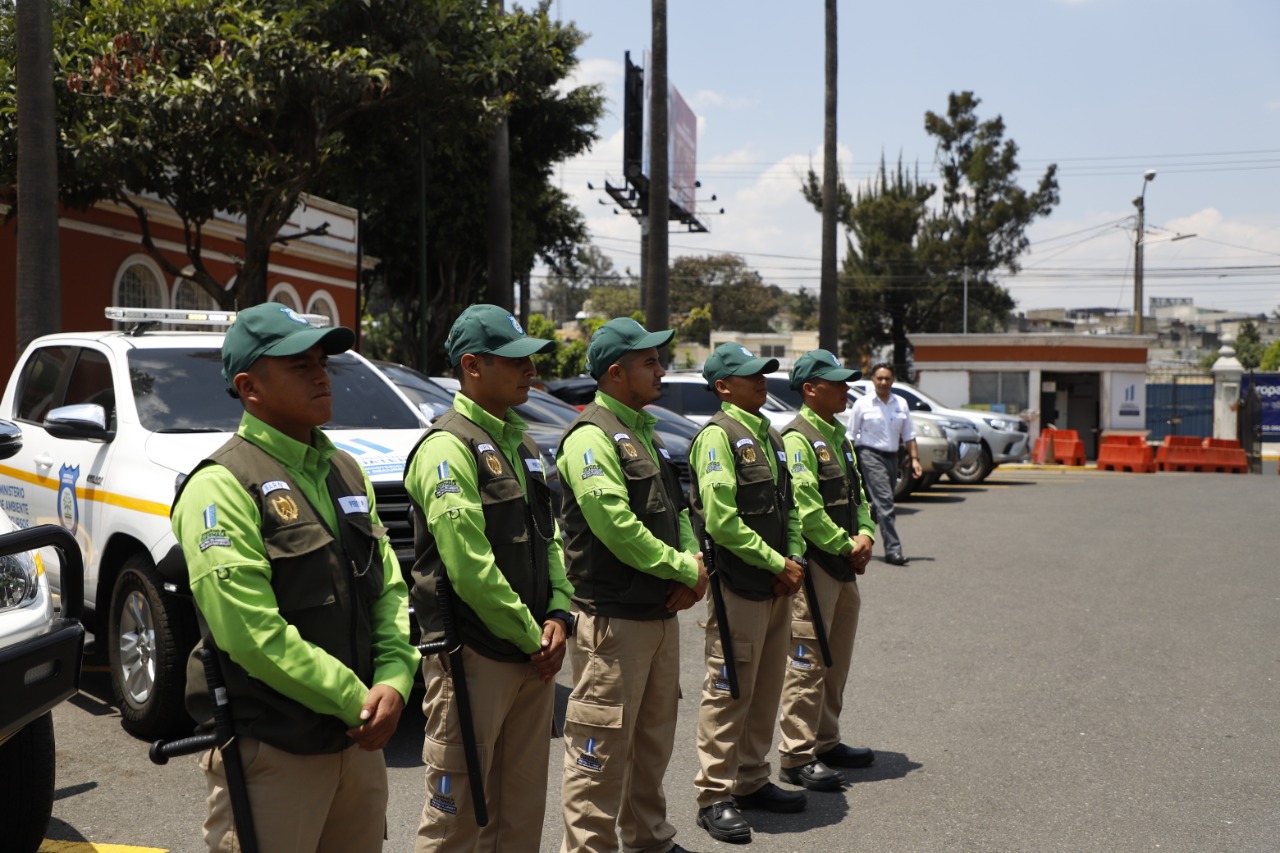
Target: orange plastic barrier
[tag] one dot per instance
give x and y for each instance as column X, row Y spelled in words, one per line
column 1067, row 447
column 1126, row 453
column 1225, row 455
column 1043, row 452
column 1181, row 453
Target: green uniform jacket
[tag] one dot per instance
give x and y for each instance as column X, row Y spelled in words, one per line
column 713, row 464
column 822, row 490
column 622, row 496
column 220, row 526
column 443, row 481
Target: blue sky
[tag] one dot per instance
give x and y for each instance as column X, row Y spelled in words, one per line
column 1104, row 88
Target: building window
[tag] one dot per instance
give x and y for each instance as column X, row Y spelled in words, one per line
column 189, row 296
column 322, row 303
column 1003, row 391
column 773, row 350
column 138, row 285
column 286, row 295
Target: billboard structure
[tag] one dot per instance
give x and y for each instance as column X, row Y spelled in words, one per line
column 682, row 152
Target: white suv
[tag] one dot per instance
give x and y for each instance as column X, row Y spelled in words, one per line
column 112, row 422
column 39, row 666
column 689, row 394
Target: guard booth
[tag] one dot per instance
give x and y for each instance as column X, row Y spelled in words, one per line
column 1087, row 383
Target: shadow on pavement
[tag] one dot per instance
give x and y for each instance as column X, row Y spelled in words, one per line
column 830, row 808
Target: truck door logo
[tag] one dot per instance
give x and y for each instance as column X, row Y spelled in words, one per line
column 68, row 504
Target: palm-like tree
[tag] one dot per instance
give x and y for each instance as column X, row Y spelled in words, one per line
column 39, row 291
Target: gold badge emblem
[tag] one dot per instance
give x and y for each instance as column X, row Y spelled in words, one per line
column 629, row 449
column 824, row 455
column 284, row 507
column 749, row 454
column 495, row 466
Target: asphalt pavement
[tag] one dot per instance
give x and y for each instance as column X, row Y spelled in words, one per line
column 1073, row 660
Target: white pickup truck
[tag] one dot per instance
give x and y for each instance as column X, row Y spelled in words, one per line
column 39, row 665
column 111, row 423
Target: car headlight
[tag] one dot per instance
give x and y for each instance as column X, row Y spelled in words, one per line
column 1003, row 424
column 19, row 579
column 927, row 428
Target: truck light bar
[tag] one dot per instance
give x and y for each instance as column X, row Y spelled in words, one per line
column 189, row 318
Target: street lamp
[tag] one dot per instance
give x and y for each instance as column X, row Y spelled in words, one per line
column 1140, row 203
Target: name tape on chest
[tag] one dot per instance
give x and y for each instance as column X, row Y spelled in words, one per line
column 354, row 503
column 273, row 485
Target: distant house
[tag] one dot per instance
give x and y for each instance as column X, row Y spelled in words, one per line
column 103, row 263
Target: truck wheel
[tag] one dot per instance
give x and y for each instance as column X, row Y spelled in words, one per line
column 149, row 637
column 26, row 784
column 975, row 472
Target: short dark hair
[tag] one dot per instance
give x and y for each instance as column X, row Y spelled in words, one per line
column 883, row 365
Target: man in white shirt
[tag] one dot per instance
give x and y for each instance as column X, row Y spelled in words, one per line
column 879, row 424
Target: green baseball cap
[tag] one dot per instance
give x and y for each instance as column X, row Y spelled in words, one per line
column 491, row 330
column 275, row 329
column 732, row 359
column 618, row 337
column 820, row 364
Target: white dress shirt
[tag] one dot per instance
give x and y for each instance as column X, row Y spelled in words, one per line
column 883, row 426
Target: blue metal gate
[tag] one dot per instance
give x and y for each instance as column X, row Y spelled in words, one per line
column 1182, row 406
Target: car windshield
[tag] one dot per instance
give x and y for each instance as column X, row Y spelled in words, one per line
column 544, row 408
column 181, row 390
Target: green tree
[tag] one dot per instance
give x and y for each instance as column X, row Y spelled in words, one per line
column 424, row 180
column 738, row 297
column 696, row 326
column 1249, row 349
column 242, row 105
column 803, row 310
column 1270, row 361
column 910, row 276
column 614, row 300
column 569, row 283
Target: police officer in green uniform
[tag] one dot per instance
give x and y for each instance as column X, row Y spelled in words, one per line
column 838, row 533
column 742, row 495
column 634, row 563
column 482, row 514
column 299, row 590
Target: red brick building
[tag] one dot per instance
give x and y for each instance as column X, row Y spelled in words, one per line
column 103, row 263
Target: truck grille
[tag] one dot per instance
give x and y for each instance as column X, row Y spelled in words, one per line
column 393, row 509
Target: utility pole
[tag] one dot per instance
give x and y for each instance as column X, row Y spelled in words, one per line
column 1141, row 203
column 657, row 311
column 828, row 288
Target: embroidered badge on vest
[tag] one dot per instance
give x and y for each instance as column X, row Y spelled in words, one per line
column 491, row 460
column 284, row 508
column 629, row 449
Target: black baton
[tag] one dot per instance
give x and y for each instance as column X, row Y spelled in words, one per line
column 452, row 646
column 815, row 615
column 722, row 618
column 223, row 739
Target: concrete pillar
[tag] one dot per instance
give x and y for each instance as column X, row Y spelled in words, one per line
column 1227, row 372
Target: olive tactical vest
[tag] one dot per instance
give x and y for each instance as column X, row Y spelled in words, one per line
column 840, row 494
column 518, row 531
column 763, row 504
column 324, row 588
column 602, row 583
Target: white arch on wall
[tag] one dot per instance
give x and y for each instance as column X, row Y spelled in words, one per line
column 138, row 270
column 322, row 303
column 286, row 294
